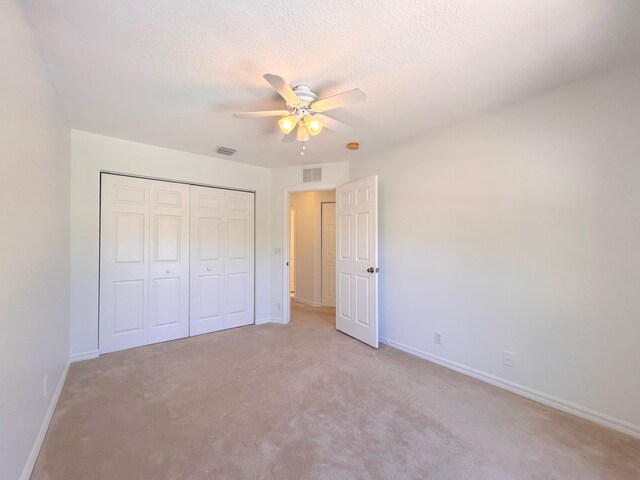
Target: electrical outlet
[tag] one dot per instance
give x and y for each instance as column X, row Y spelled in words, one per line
column 438, row 338
column 277, row 251
column 508, row 358
column 44, row 385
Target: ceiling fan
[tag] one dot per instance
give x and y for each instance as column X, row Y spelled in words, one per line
column 304, row 110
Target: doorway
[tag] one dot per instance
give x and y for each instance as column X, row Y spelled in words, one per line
column 356, row 257
column 311, row 238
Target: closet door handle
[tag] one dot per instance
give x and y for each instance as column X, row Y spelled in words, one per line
column 167, row 271
column 208, row 269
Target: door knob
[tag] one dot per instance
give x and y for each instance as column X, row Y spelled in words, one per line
column 167, row 271
column 373, row 270
column 208, row 269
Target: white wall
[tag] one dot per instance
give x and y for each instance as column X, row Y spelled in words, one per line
column 308, row 244
column 34, row 248
column 520, row 231
column 285, row 179
column 91, row 154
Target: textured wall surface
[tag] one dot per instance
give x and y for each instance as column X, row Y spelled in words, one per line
column 519, row 231
column 34, row 243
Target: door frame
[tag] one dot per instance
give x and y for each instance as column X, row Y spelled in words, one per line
column 286, row 299
column 184, row 182
column 322, row 247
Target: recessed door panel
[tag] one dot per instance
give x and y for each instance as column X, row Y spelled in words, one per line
column 208, row 242
column 129, row 306
column 167, row 234
column 345, row 199
column 345, row 237
column 132, row 195
column 166, row 292
column 167, row 198
column 209, row 201
column 362, row 300
column 236, row 292
column 362, row 195
column 210, row 296
column 344, row 282
column 237, row 239
column 235, row 205
column 362, row 236
column 129, row 237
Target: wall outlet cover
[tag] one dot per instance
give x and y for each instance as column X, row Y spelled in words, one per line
column 508, row 358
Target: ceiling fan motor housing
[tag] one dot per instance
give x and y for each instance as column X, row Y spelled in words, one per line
column 305, row 94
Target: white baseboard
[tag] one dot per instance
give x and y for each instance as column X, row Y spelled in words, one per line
column 549, row 400
column 311, row 303
column 35, row 451
column 78, row 357
column 262, row 321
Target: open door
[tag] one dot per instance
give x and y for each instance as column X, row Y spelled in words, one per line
column 357, row 259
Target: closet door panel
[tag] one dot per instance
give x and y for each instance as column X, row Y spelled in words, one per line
column 169, row 261
column 239, row 262
column 124, row 255
column 208, row 224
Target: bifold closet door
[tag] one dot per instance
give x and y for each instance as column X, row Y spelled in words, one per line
column 222, row 259
column 144, row 262
column 168, row 261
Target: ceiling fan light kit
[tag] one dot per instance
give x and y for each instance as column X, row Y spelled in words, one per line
column 313, row 125
column 303, row 107
column 302, row 135
column 288, row 123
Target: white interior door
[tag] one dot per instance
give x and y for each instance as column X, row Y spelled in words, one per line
column 124, row 263
column 168, row 261
column 222, row 259
column 357, row 260
column 328, row 254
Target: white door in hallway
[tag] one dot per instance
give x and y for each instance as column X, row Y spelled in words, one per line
column 357, row 260
column 222, row 259
column 328, row 254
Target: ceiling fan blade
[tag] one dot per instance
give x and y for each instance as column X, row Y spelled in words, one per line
column 264, row 113
column 335, row 125
column 340, row 100
column 282, row 87
column 289, row 138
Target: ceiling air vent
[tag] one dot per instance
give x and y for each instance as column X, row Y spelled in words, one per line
column 225, row 150
column 310, row 175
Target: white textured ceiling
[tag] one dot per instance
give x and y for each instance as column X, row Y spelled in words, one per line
column 172, row 72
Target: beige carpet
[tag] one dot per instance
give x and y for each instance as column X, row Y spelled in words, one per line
column 306, row 402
